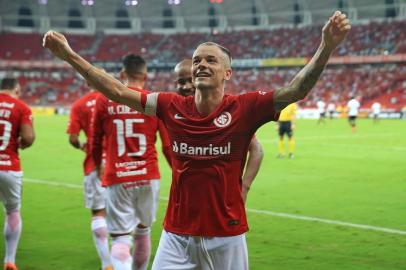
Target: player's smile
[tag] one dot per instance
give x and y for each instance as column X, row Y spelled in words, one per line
column 203, row 74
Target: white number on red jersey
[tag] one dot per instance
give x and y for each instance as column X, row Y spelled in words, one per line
column 125, row 130
column 5, row 138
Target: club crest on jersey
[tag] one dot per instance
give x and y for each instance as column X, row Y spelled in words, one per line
column 223, row 120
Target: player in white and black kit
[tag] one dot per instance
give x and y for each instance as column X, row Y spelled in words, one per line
column 353, row 107
column 16, row 131
column 331, row 109
column 321, row 108
column 376, row 110
column 205, row 222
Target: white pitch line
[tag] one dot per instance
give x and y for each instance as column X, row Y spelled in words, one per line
column 328, row 221
column 256, row 211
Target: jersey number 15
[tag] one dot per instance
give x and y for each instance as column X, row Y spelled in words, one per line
column 125, row 130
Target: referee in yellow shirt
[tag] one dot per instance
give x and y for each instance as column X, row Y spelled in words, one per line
column 286, row 125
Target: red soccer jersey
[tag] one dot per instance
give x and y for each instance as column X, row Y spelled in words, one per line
column 130, row 142
column 13, row 114
column 208, row 159
column 80, row 119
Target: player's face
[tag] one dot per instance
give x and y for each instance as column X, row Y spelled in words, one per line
column 209, row 67
column 184, row 84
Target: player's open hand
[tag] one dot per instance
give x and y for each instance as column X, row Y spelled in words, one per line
column 335, row 30
column 57, row 44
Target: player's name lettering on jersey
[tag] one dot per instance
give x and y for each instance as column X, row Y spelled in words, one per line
column 5, row 113
column 121, row 109
column 91, row 103
column 130, row 164
column 210, row 150
column 131, row 173
column 7, row 105
column 4, row 156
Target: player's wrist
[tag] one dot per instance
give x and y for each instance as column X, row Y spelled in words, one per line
column 246, row 186
column 327, row 47
column 71, row 56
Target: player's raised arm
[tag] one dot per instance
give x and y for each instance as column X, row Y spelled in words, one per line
column 334, row 32
column 103, row 82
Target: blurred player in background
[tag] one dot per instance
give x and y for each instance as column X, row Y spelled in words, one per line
column 321, row 108
column 131, row 174
column 331, row 109
column 16, row 131
column 80, row 120
column 286, row 125
column 185, row 87
column 353, row 107
column 376, row 110
column 205, row 221
column 184, row 83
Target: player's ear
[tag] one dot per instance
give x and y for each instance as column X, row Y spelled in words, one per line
column 122, row 75
column 227, row 74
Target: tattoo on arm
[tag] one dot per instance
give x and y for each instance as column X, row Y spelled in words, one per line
column 303, row 82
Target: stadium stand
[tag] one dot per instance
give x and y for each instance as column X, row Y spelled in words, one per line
column 383, row 83
column 374, row 38
column 254, row 31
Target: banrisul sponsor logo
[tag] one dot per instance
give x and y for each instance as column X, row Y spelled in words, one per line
column 208, row 150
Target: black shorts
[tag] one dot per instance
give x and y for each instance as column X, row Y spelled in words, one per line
column 352, row 118
column 322, row 115
column 285, row 127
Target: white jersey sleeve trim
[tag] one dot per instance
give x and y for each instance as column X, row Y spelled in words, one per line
column 151, row 104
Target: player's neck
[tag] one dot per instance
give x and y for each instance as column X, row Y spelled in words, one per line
column 207, row 101
column 9, row 93
column 135, row 84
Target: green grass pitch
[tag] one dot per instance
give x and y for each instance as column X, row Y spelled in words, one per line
column 335, row 175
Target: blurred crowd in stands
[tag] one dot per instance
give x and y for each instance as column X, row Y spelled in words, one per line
column 337, row 84
column 364, row 39
column 384, row 81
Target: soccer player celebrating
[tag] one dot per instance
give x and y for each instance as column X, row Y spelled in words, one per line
column 80, row 120
column 185, row 87
column 205, row 222
column 286, row 126
column 131, row 173
column 16, row 131
column 353, row 107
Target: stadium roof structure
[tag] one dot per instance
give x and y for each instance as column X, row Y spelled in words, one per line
column 169, row 16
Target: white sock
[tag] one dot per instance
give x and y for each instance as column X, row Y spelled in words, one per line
column 142, row 248
column 120, row 253
column 12, row 232
column 101, row 241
